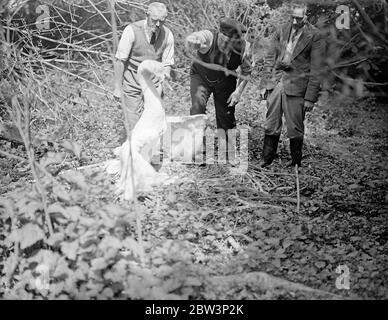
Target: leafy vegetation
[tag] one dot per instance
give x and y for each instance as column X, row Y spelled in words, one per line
column 65, row 235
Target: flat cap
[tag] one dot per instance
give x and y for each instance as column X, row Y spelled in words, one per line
column 232, row 28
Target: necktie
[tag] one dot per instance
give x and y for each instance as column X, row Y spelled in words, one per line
column 293, row 36
column 153, row 38
column 289, row 47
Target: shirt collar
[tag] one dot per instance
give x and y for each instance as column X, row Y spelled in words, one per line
column 299, row 30
column 148, row 30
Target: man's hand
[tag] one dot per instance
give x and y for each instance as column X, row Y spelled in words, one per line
column 117, row 94
column 167, row 73
column 264, row 94
column 234, row 98
column 308, row 106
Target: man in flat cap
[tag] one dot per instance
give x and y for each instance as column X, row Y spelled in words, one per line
column 143, row 40
column 218, row 52
column 292, row 82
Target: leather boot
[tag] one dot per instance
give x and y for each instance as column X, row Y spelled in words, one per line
column 296, row 145
column 269, row 150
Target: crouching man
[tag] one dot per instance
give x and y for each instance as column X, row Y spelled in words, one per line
column 217, row 53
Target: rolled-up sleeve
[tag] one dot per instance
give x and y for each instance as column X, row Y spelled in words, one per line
column 168, row 53
column 125, row 44
column 206, row 38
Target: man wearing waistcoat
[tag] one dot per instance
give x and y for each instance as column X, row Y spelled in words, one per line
column 224, row 48
column 291, row 80
column 143, row 40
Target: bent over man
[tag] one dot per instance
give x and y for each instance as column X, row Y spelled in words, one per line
column 227, row 48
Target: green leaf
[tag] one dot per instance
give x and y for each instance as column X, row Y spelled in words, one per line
column 52, row 158
column 118, row 272
column 110, row 247
column 45, row 257
column 272, row 241
column 133, row 245
column 75, row 178
column 193, row 282
column 73, row 147
column 107, row 293
column 88, row 222
column 287, row 243
column 83, row 267
column 70, row 249
column 8, row 206
column 79, row 275
column 62, row 270
column 106, row 220
column 354, row 186
column 56, row 288
column 115, row 210
column 56, row 208
column 320, row 264
column 74, row 213
column 61, row 193
column 57, row 213
column 28, row 235
column 8, row 265
column 277, row 263
column 30, row 208
column 98, row 264
column 55, row 239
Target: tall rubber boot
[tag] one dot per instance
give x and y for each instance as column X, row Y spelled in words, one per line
column 269, row 150
column 296, row 145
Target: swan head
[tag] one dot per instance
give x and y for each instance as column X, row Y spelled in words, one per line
column 149, row 68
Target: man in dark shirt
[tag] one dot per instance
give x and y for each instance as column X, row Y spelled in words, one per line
column 226, row 48
column 218, row 53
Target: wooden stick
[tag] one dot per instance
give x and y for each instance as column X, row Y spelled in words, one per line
column 9, row 155
column 267, row 282
column 25, row 134
column 297, row 189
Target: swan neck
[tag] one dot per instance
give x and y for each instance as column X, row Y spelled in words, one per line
column 149, row 90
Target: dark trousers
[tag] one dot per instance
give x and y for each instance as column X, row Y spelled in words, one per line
column 134, row 104
column 293, row 109
column 201, row 90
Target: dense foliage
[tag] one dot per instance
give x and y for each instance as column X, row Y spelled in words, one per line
column 64, row 234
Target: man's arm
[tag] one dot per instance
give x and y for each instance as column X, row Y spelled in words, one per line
column 246, row 69
column 316, row 62
column 119, row 77
column 123, row 51
column 270, row 60
column 168, row 55
column 236, row 95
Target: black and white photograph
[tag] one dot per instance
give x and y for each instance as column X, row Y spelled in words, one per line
column 210, row 151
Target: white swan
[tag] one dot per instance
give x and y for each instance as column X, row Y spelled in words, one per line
column 144, row 139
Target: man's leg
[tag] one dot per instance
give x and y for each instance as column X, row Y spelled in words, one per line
column 226, row 121
column 200, row 93
column 273, row 125
column 133, row 102
column 225, row 114
column 295, row 114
